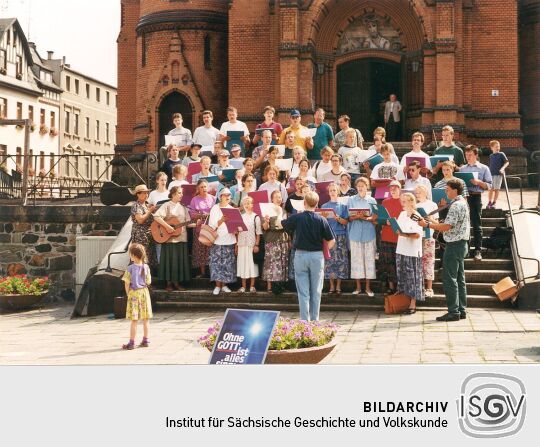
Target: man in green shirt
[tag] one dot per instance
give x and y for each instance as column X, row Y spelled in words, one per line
column 323, row 137
column 448, row 148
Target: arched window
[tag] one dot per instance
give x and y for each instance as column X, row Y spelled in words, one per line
column 165, row 80
column 207, row 52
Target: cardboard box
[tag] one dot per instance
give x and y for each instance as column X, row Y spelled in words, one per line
column 505, row 289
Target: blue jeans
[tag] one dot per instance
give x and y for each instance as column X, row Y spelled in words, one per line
column 309, row 278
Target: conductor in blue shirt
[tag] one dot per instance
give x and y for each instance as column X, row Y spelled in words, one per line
column 310, row 230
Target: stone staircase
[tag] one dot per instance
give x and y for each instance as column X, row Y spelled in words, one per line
column 480, row 276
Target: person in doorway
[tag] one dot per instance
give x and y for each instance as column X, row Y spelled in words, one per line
column 182, row 134
column 392, row 118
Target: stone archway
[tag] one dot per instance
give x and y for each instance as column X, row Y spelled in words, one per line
column 173, row 102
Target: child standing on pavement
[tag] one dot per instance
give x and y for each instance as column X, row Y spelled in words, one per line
column 498, row 162
column 136, row 280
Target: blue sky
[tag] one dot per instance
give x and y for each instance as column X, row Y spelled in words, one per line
column 83, row 31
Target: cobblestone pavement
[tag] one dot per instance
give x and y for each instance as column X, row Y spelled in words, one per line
column 49, row 337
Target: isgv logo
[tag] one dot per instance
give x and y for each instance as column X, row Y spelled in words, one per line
column 491, row 405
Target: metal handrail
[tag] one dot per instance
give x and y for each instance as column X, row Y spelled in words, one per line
column 537, row 276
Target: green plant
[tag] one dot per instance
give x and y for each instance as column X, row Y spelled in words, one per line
column 22, row 285
column 288, row 334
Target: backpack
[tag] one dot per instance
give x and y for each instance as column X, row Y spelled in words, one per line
column 499, row 239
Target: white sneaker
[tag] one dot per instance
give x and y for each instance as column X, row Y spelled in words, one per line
column 226, row 289
column 428, row 293
column 478, row 256
column 216, row 291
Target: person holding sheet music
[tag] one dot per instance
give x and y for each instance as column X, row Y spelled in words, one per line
column 201, row 203
column 345, row 188
column 300, row 138
column 181, row 134
column 387, row 169
column 161, row 193
column 194, row 156
column 299, row 154
column 417, row 152
column 247, row 245
column 205, row 172
column 260, row 153
column 233, row 124
column 268, row 123
column 428, row 243
column 174, row 265
column 337, row 267
column 248, row 185
column 477, row 186
column 447, row 148
column 304, row 172
column 456, row 232
column 324, row 135
column 323, row 166
column 206, row 135
column 236, row 153
column 289, row 144
column 171, row 162
column 362, row 237
column 237, row 186
column 334, row 174
column 448, row 168
column 179, row 176
column 415, row 179
column 389, row 239
column 249, row 168
column 350, row 153
column 222, row 258
column 409, row 254
column 298, row 194
column 272, row 173
column 223, row 163
column 273, row 154
column 218, row 147
column 276, row 244
column 379, row 139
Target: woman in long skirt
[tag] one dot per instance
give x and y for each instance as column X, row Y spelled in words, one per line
column 142, row 218
column 174, row 261
column 201, row 203
column 409, row 254
column 337, row 267
column 248, row 244
column 276, row 245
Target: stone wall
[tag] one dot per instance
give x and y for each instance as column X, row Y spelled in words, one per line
column 40, row 241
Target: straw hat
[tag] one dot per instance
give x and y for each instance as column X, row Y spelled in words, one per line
column 141, row 188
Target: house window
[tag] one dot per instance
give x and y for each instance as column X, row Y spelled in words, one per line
column 98, row 94
column 68, row 83
column 97, row 173
column 77, row 86
column 87, row 91
column 107, row 132
column 53, row 119
column 87, row 128
column 31, row 113
column 87, row 167
column 66, row 153
column 3, row 60
column 207, row 52
column 97, row 130
column 19, row 66
column 66, row 122
column 3, row 108
column 9, row 37
column 42, row 116
column 76, row 124
column 19, row 110
column 108, row 96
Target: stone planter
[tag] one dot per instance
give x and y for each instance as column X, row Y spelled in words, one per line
column 20, row 302
column 300, row 356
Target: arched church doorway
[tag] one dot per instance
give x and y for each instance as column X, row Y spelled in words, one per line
column 363, row 87
column 174, row 102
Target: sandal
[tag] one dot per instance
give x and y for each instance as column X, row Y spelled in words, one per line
column 129, row 346
column 331, row 292
column 252, row 290
column 338, row 292
column 241, row 290
column 409, row 311
column 144, row 343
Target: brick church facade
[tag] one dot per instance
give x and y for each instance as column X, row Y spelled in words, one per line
column 449, row 61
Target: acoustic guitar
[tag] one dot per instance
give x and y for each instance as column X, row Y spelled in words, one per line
column 160, row 234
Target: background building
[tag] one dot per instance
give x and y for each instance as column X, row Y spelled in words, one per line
column 27, row 91
column 451, row 62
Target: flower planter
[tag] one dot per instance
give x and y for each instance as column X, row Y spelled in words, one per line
column 20, row 302
column 300, row 356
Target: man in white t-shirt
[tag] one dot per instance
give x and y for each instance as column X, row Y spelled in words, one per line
column 351, row 153
column 206, row 135
column 417, row 152
column 387, row 169
column 234, row 125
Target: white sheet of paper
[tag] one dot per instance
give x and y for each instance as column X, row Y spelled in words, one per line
column 309, row 132
column 209, row 148
column 173, row 139
column 344, row 200
column 281, row 149
column 364, row 155
column 284, row 164
column 237, row 163
column 268, row 209
column 298, row 205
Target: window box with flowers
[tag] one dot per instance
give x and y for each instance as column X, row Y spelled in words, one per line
column 293, row 341
column 53, row 132
column 21, row 292
column 43, row 129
